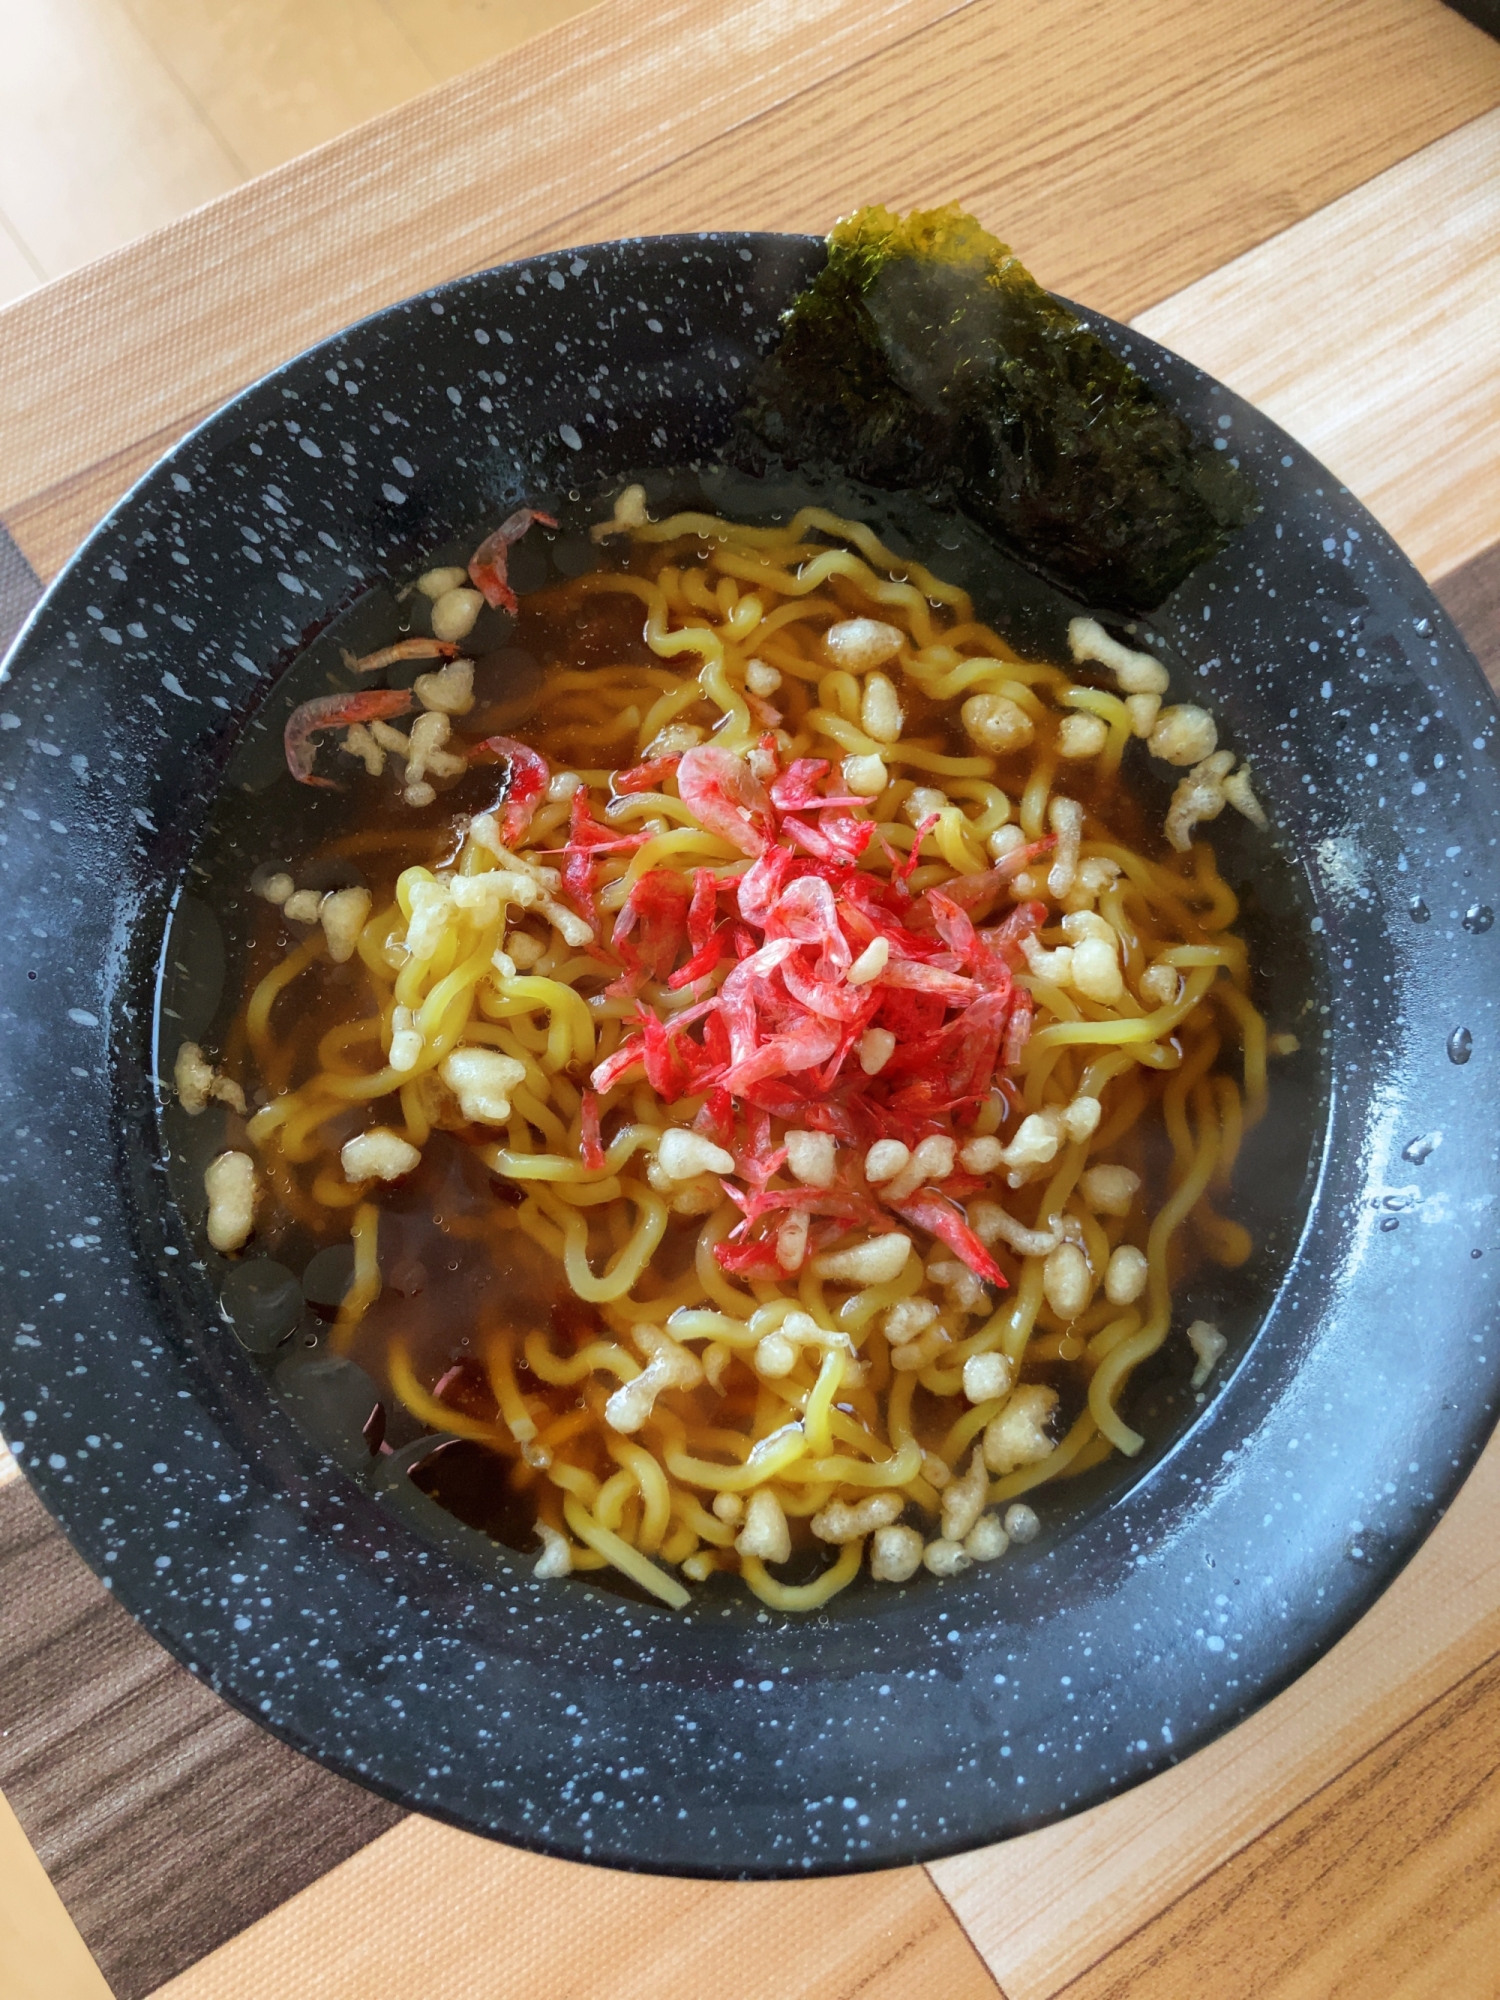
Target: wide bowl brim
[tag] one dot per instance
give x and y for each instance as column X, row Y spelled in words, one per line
column 557, row 1716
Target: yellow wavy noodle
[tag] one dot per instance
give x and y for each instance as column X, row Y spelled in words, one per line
column 700, row 599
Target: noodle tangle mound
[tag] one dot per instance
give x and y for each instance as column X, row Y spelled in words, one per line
column 849, row 1070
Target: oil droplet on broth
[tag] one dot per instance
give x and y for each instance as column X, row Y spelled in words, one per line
column 1419, row 911
column 1478, row 918
column 1460, row 1046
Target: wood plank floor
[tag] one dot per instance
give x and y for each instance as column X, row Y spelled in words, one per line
column 118, row 115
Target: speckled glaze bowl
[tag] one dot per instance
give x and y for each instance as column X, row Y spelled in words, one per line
column 376, row 1634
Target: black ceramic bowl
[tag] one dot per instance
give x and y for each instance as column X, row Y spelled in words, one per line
column 376, row 1634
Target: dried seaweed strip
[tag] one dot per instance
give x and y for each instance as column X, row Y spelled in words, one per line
column 925, row 343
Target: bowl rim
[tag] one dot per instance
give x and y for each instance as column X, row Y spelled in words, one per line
column 1448, row 1455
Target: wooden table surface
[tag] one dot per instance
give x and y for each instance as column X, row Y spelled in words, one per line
column 1306, row 200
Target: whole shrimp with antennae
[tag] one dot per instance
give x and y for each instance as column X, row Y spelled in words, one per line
column 334, row 711
column 488, row 564
column 404, row 649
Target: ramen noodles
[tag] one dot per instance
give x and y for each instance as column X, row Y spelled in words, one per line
column 848, row 1070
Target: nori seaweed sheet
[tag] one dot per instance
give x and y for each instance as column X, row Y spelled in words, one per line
column 925, row 356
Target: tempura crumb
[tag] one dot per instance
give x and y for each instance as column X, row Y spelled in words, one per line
column 303, row 907
column 1198, row 797
column 996, row 723
column 1208, row 1344
column 1135, row 673
column 991, row 1224
column 880, row 709
column 1067, row 1282
column 872, row 961
column 874, row 1050
column 482, row 1080
column 344, row 914
column 1004, row 840
column 811, row 1158
column 230, row 1184
column 845, row 1521
column 378, row 1155
column 987, row 1377
column 895, row 1555
column 857, row 644
column 1184, row 734
column 525, row 950
column 986, row 1541
column 1065, row 817
column 1081, row 736
column 1125, row 1275
column 630, row 512
column 683, row 1155
column 358, row 742
column 933, row 1159
column 946, row 1558
column 198, row 1083
column 1109, row 1190
column 450, row 691
column 276, row 888
column 1160, row 984
column 556, row 1558
column 668, row 1366
column 453, row 618
column 765, row 1533
column 867, row 777
column 1018, row 1435
column 1143, row 710
column 876, row 1262
column 1237, row 791
column 963, row 1499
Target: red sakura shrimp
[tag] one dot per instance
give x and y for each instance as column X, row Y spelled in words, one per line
column 647, row 777
column 404, row 649
column 724, row 795
column 335, row 711
column 489, row 562
column 943, row 1219
column 526, row 786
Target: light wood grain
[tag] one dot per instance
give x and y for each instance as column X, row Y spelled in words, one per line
column 260, row 80
column 1234, row 121
column 42, row 1957
column 80, row 86
column 19, row 272
column 454, row 35
column 1122, row 150
column 273, row 78
column 223, row 294
column 1044, row 1908
column 1381, row 1887
column 166, row 1820
column 1372, row 332
column 479, row 1920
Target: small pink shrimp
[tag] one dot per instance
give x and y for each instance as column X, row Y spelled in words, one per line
column 929, row 1210
column 487, row 565
column 526, row 787
column 724, row 795
column 334, row 711
column 407, row 649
